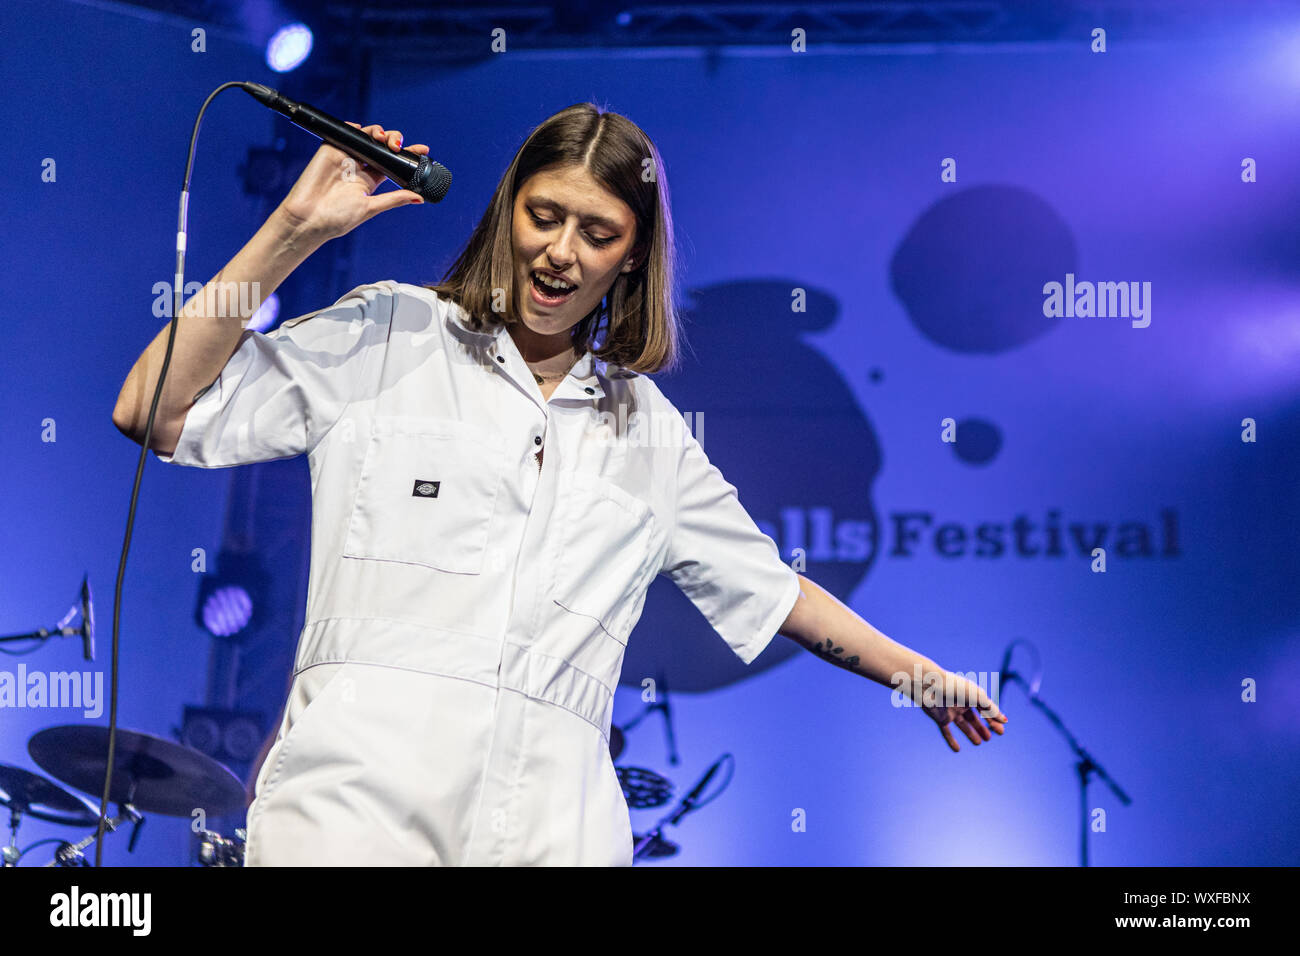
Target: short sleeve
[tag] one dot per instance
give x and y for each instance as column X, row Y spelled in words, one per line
column 729, row 569
column 280, row 392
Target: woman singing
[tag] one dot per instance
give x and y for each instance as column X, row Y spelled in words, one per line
column 495, row 483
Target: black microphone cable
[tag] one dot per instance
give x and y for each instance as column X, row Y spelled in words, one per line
column 178, row 292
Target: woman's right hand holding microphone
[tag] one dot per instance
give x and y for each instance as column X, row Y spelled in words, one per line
column 334, row 193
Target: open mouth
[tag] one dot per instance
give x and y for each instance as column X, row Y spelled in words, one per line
column 549, row 291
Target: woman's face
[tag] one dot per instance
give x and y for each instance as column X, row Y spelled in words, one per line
column 567, row 224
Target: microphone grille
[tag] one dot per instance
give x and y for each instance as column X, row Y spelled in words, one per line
column 431, row 180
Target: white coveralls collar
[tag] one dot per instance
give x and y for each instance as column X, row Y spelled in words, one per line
column 583, row 383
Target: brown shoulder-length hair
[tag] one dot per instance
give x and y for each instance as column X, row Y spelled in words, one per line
column 636, row 324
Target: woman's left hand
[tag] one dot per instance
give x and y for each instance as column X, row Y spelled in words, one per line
column 971, row 702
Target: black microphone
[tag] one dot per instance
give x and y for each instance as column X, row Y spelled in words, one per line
column 689, row 800
column 409, row 170
column 87, row 620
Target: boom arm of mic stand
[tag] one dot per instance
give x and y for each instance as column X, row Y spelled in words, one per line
column 1086, row 759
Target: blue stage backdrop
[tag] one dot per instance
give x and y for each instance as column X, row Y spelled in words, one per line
column 957, row 318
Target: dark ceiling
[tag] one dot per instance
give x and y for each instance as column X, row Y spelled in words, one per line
column 459, row 29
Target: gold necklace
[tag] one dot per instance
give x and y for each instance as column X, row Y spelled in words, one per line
column 557, row 378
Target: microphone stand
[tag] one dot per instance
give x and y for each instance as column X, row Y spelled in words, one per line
column 1085, row 767
column 43, row 634
column 11, row 853
column 647, row 843
column 660, row 703
column 70, row 854
column 85, row 630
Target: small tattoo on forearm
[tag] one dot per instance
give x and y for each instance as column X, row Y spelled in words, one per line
column 828, row 651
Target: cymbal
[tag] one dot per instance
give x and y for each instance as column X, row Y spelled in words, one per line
column 150, row 773
column 42, row 798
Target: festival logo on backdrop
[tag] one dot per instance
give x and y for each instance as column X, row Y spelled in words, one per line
column 974, row 275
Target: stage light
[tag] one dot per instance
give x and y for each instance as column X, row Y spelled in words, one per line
column 229, row 600
column 227, row 609
column 289, row 47
column 266, row 314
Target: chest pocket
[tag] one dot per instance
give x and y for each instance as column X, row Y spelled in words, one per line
column 607, row 553
column 426, row 495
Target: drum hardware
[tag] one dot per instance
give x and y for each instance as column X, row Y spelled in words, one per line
column 70, row 854
column 643, row 788
column 150, row 775
column 216, row 850
column 662, row 704
column 653, row 844
column 30, row 794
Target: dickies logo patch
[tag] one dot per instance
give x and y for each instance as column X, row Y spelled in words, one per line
column 425, row 488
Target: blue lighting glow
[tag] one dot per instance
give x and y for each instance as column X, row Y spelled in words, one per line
column 227, row 610
column 289, row 47
column 266, row 314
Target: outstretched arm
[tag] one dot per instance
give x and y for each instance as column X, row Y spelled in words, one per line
column 829, row 629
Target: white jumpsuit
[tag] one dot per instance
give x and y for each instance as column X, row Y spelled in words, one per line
column 468, row 608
